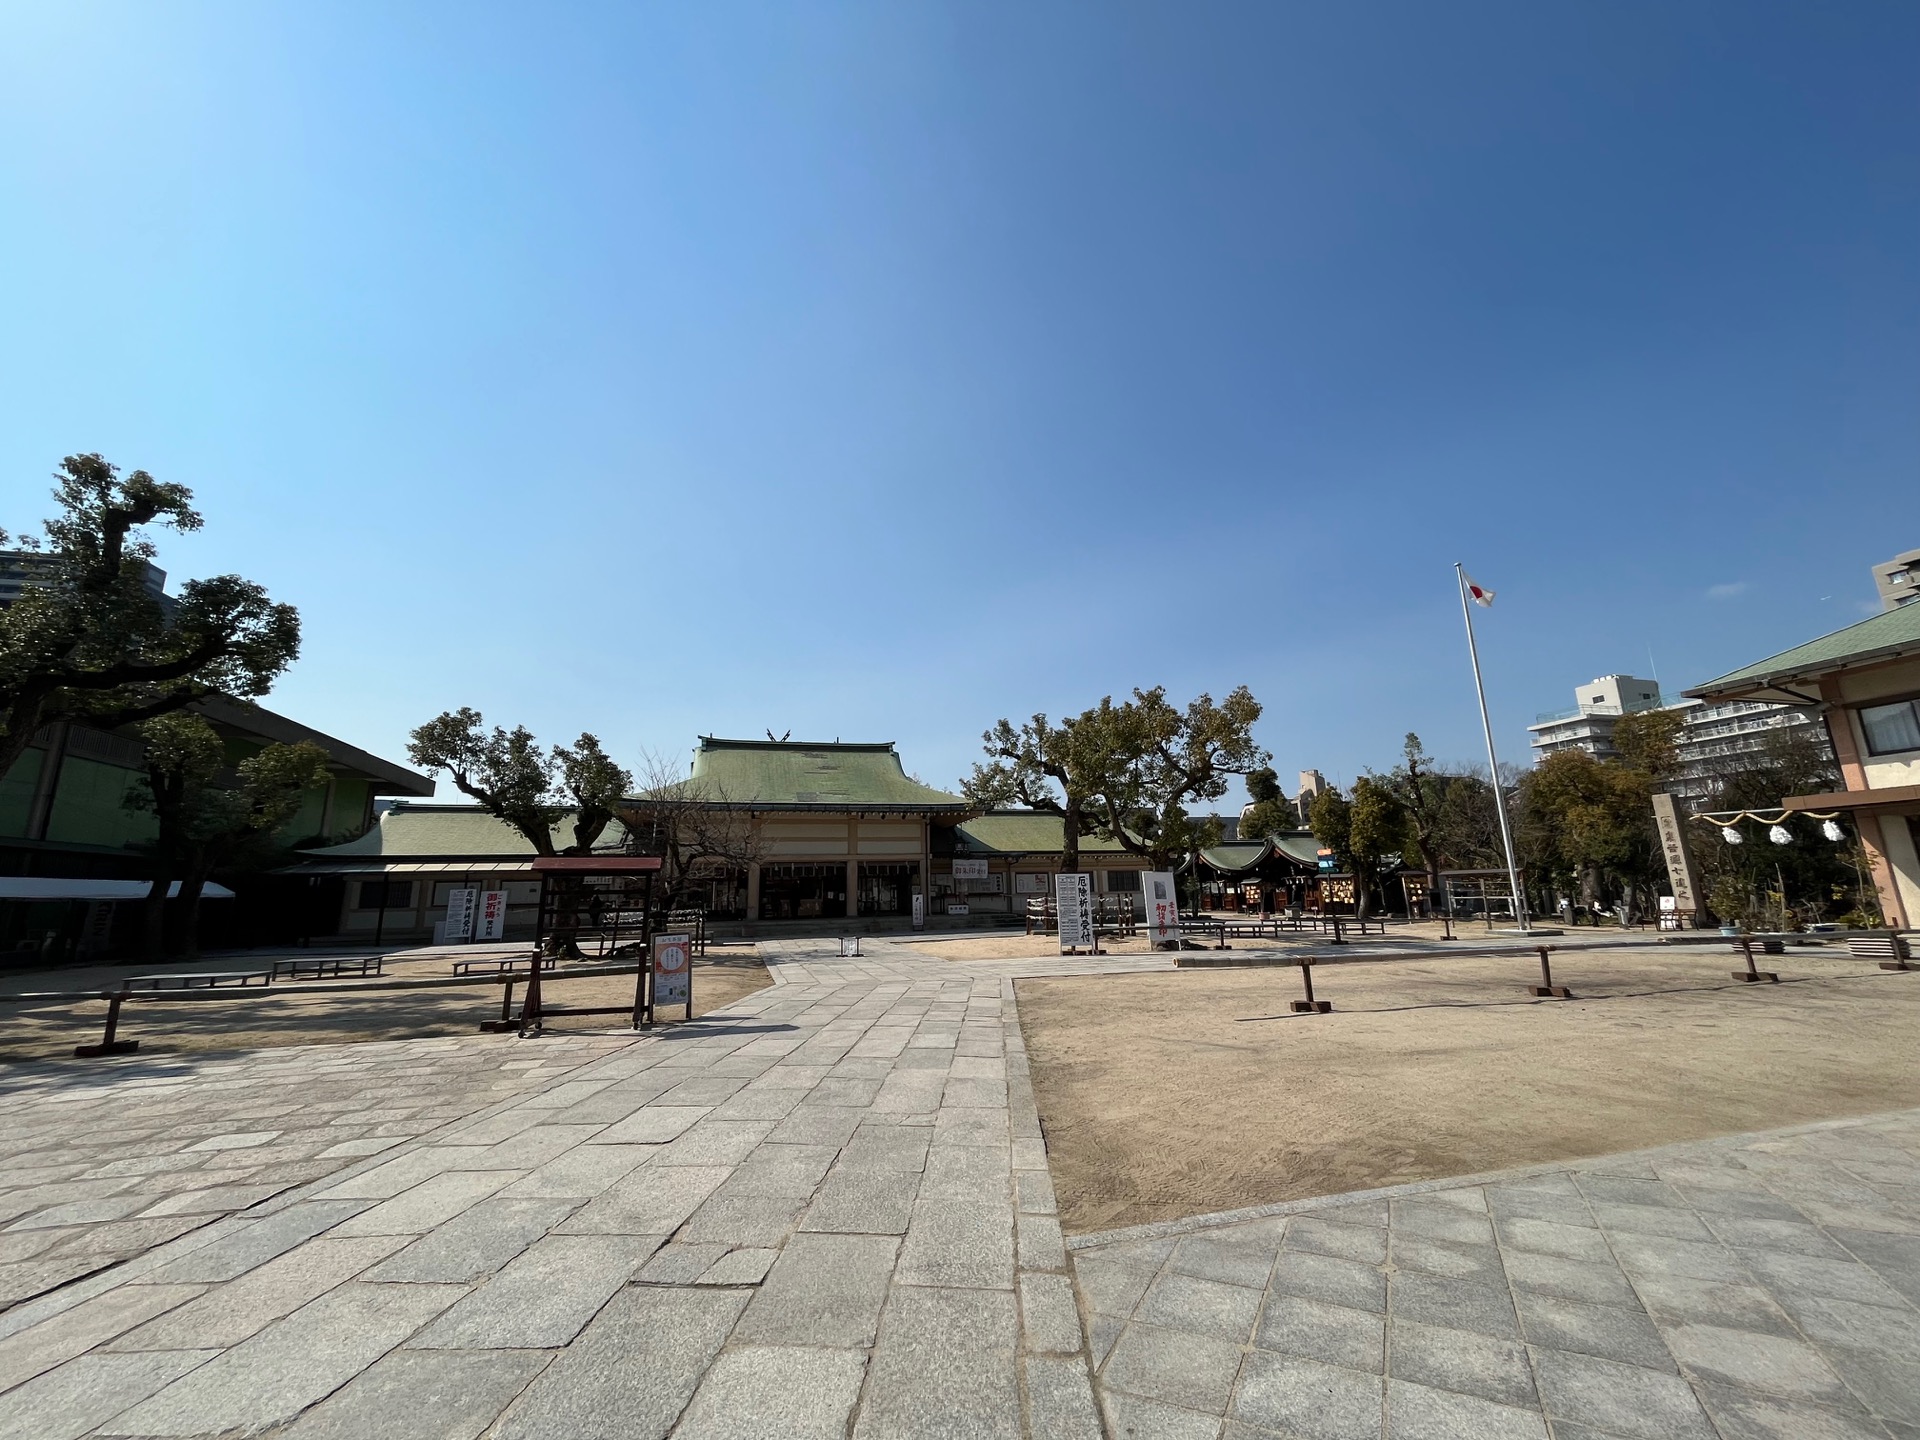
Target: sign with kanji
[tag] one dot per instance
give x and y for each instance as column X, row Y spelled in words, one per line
column 1073, row 894
column 1163, row 909
column 492, row 921
column 1673, row 845
column 461, row 906
column 673, row 970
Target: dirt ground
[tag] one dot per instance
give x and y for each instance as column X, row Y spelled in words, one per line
column 283, row 1016
column 1180, row 1094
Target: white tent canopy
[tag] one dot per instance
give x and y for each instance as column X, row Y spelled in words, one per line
column 36, row 887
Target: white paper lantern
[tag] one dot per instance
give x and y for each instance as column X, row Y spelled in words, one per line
column 1780, row 835
column 1831, row 829
column 1731, row 835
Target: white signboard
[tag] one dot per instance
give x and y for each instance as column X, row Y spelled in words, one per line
column 492, row 920
column 969, row 869
column 461, row 905
column 672, row 970
column 1073, row 894
column 1163, row 908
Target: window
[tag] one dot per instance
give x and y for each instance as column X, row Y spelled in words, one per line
column 386, row 894
column 1891, row 728
column 1118, row 880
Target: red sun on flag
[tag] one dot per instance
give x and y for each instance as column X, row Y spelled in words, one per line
column 1481, row 595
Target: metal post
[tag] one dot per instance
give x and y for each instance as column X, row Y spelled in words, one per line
column 1493, row 761
column 1546, row 989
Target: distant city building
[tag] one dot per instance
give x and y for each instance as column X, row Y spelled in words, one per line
column 1589, row 725
column 1716, row 737
column 1898, row 580
column 21, row 568
column 1312, row 786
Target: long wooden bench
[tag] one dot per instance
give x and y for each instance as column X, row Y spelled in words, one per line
column 1890, row 949
column 197, row 980
column 329, row 967
column 511, row 966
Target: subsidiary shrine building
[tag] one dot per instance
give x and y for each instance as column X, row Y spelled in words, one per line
column 829, row 832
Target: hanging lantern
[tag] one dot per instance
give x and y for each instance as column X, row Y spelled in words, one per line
column 1731, row 835
column 1780, row 835
column 1831, row 829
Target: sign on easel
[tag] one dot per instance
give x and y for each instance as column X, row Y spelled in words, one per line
column 1163, row 908
column 673, row 971
column 1073, row 897
column 492, row 922
column 461, row 905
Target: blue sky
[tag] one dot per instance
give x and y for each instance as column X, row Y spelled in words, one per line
column 878, row 370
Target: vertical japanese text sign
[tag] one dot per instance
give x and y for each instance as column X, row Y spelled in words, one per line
column 461, row 905
column 1163, row 910
column 1673, row 844
column 492, row 923
column 672, row 971
column 1073, row 896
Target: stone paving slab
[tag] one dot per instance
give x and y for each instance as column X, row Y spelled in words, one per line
column 826, row 1211
column 1753, row 1287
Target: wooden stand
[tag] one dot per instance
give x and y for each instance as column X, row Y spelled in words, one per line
column 108, row 1045
column 1750, row 975
column 1546, row 989
column 1310, row 1006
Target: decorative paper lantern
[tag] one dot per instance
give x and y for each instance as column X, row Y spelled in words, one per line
column 1831, row 829
column 1780, row 835
column 1731, row 835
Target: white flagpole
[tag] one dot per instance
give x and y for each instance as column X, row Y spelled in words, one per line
column 1493, row 761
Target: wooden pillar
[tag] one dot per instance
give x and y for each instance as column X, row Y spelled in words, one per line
column 753, row 890
column 1853, row 774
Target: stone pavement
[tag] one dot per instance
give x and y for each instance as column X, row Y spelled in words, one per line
column 1757, row 1287
column 826, row 1211
column 100, row 1164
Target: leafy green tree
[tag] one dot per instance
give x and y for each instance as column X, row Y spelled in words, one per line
column 1587, row 824
column 1128, row 771
column 210, row 817
column 1268, row 812
column 1176, row 758
column 1364, row 832
column 517, row 781
column 92, row 645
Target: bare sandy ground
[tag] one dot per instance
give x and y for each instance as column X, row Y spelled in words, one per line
column 283, row 1016
column 1180, row 1094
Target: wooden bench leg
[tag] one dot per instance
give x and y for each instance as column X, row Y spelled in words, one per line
column 108, row 1044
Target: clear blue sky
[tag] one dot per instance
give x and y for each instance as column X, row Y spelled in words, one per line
column 878, row 370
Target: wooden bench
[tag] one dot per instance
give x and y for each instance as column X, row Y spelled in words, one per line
column 502, row 967
column 197, row 980
column 1216, row 928
column 1889, row 949
column 329, row 967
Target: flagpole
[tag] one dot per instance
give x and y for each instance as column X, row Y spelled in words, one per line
column 1493, row 761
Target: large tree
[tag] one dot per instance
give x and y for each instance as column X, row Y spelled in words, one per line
column 517, row 781
column 1127, row 772
column 211, row 817
column 1176, row 759
column 1364, row 832
column 1269, row 811
column 88, row 642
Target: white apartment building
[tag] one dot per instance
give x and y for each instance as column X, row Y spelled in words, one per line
column 1714, row 736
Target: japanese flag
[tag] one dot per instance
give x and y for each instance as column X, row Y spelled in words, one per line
column 1481, row 595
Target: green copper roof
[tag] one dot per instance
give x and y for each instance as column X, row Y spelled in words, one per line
column 792, row 775
column 1303, row 848
column 1022, row 832
column 450, row 832
column 1883, row 637
column 1240, row 855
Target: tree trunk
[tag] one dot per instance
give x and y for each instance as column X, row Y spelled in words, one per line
column 1362, row 893
column 186, row 917
column 1070, row 838
column 153, row 915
